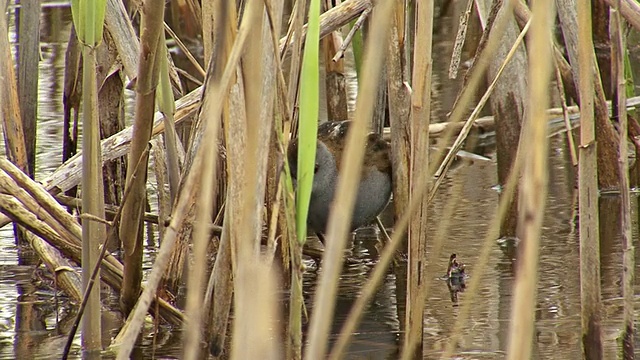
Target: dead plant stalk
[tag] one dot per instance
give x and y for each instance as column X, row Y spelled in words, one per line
column 534, row 183
column 212, row 105
column 588, row 192
column 618, row 48
column 418, row 229
column 147, row 81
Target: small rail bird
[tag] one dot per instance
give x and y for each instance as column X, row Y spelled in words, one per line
column 374, row 189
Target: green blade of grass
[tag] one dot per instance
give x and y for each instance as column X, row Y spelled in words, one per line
column 88, row 18
column 309, row 105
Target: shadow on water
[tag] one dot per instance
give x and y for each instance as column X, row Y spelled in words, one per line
column 32, row 326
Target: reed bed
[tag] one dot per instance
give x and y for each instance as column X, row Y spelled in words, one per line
column 233, row 225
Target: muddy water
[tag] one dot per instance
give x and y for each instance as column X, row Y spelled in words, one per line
column 33, row 324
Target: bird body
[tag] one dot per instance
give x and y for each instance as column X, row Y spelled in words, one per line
column 374, row 189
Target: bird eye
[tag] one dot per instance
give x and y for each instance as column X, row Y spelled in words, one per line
column 315, row 169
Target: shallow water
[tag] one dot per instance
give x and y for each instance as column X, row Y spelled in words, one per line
column 29, row 328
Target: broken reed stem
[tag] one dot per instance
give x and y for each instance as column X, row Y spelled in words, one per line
column 590, row 296
column 618, row 50
column 533, row 190
column 94, row 218
column 347, row 40
column 96, row 268
column 59, row 230
column 62, row 269
column 466, row 128
column 460, row 38
column 109, row 209
column 565, row 116
column 419, row 163
column 12, row 125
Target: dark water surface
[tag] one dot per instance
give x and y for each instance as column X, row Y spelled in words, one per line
column 29, row 327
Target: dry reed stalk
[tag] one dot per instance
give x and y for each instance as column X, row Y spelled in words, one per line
column 219, row 292
column 160, row 169
column 28, row 58
column 336, row 96
column 335, row 18
column 210, row 116
column 151, row 38
column 118, row 23
column 295, row 30
column 565, row 117
column 13, row 128
column 19, row 213
column 629, row 9
column 62, row 269
column 460, row 38
column 399, row 110
column 618, row 51
column 166, row 105
column 70, row 245
column 260, row 79
column 588, row 192
column 466, row 128
column 95, row 272
column 490, row 27
column 71, row 101
column 418, row 229
column 255, row 323
column 76, row 203
column 276, row 213
column 296, row 36
column 340, row 217
column 607, row 148
column 212, row 106
column 92, row 184
column 68, row 225
column 254, row 317
column 194, row 310
column 9, row 186
column 208, row 33
column 347, row 39
column 533, row 194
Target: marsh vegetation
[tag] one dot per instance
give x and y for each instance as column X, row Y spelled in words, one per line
column 148, row 210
